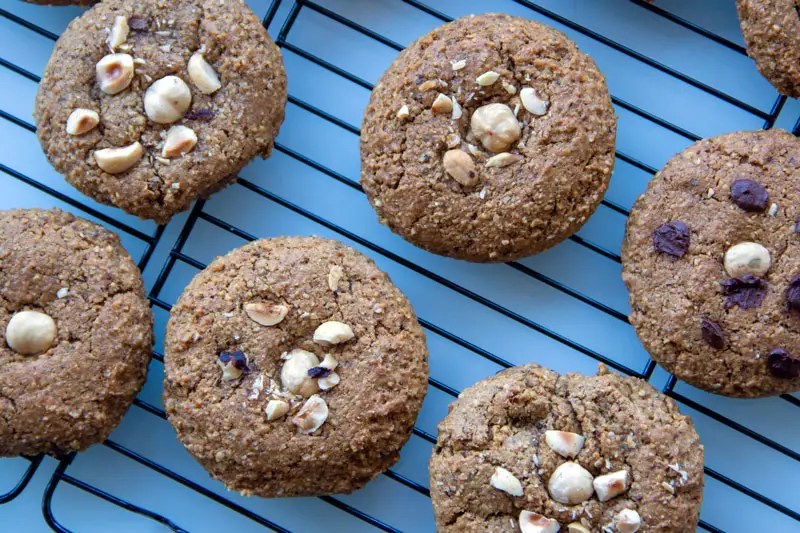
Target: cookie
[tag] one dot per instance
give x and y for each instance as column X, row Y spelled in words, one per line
column 488, row 139
column 294, row 368
column 75, row 332
column 711, row 259
column 149, row 105
column 771, row 29
column 532, row 451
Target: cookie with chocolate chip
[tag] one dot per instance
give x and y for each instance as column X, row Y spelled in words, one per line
column 149, row 105
column 489, row 139
column 712, row 261
column 294, row 367
column 75, row 332
column 533, row 451
column 771, row 29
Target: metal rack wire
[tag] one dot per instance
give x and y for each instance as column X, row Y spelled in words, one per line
column 178, row 256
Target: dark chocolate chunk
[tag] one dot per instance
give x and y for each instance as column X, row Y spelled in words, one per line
column 237, row 359
column 793, row 295
column 747, row 292
column 782, row 365
column 672, row 238
column 712, row 334
column 319, row 372
column 199, row 114
column 137, row 23
column 749, row 195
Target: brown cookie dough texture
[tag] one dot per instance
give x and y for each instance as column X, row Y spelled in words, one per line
column 713, row 307
column 149, row 105
column 771, row 29
column 529, row 450
column 73, row 306
column 294, row 367
column 489, row 139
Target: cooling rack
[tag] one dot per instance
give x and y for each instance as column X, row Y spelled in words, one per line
column 677, row 72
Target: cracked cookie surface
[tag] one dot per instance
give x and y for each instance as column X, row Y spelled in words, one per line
column 283, row 424
column 737, row 199
column 627, row 425
column 74, row 393
column 231, row 124
column 458, row 178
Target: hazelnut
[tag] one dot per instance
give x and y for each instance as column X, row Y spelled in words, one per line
column 442, row 104
column 535, row 523
column 116, row 160
column 459, row 165
column 312, row 415
column 504, row 480
column 276, row 409
column 232, row 364
column 487, row 78
column 266, row 314
column 203, row 74
column 531, row 102
column 577, row 527
column 329, row 362
column 167, row 99
column 457, row 112
column 403, row 112
column 564, row 443
column 627, row 521
column 458, row 64
column 510, row 89
column 747, row 258
column 329, row 381
column 495, row 126
column 114, row 73
column 503, row 159
column 334, row 277
column 610, row 485
column 82, row 121
column 119, row 32
column 570, row 483
column 294, row 374
column 180, row 140
column 332, row 332
column 30, row 332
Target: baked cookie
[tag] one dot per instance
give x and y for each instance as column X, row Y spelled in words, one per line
column 712, row 262
column 771, row 29
column 294, row 367
column 489, row 139
column 532, row 451
column 75, row 332
column 149, row 105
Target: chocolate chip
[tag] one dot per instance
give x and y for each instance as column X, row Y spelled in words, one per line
column 199, row 114
column 782, row 365
column 319, row 372
column 749, row 195
column 712, row 334
column 747, row 292
column 672, row 238
column 137, row 23
column 793, row 295
column 237, row 359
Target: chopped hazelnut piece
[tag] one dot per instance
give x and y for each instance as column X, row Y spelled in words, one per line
column 117, row 160
column 610, row 485
column 119, row 32
column 577, row 527
column 312, row 415
column 276, row 409
column 403, row 113
column 266, row 314
column 329, row 381
column 504, row 480
column 459, row 165
column 531, row 102
column 180, row 140
column 334, row 277
column 294, row 374
column 564, row 443
column 487, row 78
column 442, row 104
column 114, row 73
column 535, row 523
column 503, row 160
column 232, row 364
column 457, row 112
column 570, row 483
column 202, row 74
column 82, row 121
column 332, row 332
column 458, row 65
column 627, row 521
column 428, row 85
column 329, row 362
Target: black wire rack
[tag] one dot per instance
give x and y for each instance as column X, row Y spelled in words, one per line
column 178, row 255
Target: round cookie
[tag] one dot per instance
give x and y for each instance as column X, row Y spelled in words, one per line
column 149, row 105
column 771, row 29
column 73, row 307
column 294, row 367
column 447, row 164
column 711, row 259
column 528, row 447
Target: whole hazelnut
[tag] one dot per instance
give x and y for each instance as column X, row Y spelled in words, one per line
column 114, row 73
column 167, row 100
column 294, row 374
column 30, row 332
column 495, row 126
column 747, row 258
column 571, row 484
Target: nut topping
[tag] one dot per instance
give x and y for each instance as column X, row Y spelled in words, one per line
column 495, row 126
column 116, row 160
column 504, row 480
column 167, row 99
column 114, row 73
column 403, row 112
column 118, row 33
column 627, row 521
column 329, row 381
column 442, row 104
column 459, row 64
column 294, row 374
column 502, row 160
column 30, row 332
column 276, row 409
column 332, row 332
column 334, row 277
column 570, row 483
column 611, row 485
column 459, row 165
column 180, row 140
column 203, row 74
column 747, row 258
column 531, row 102
column 457, row 112
column 329, row 362
column 577, row 527
column 535, row 523
column 266, row 314
column 564, row 443
column 487, row 78
column 232, row 364
column 82, row 121
column 312, row 415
